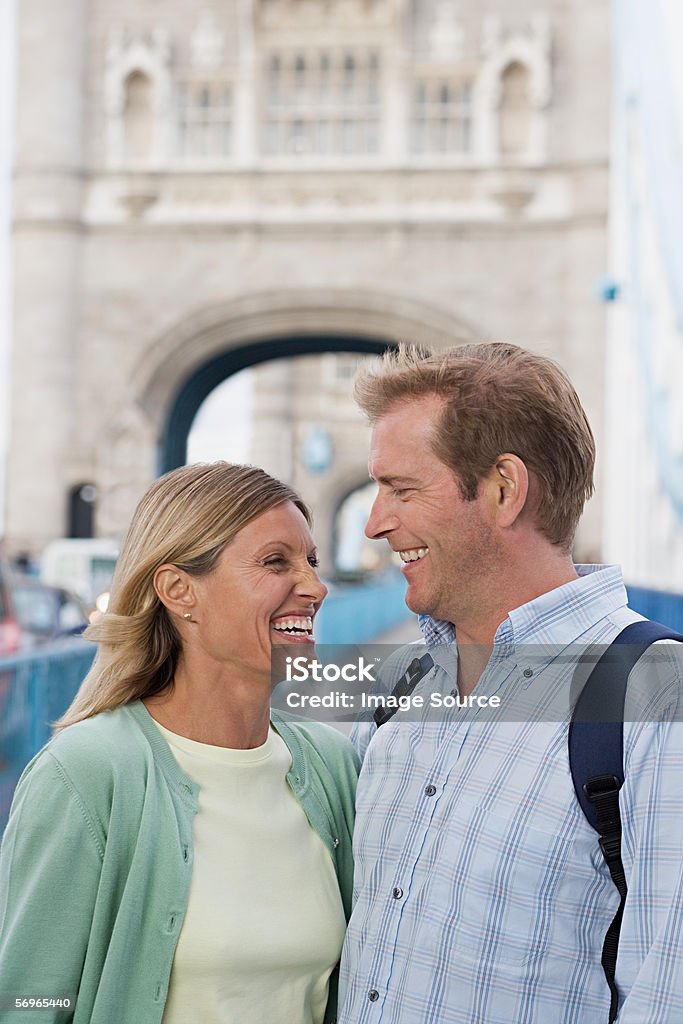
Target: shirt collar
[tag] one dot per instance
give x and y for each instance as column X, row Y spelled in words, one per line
column 559, row 616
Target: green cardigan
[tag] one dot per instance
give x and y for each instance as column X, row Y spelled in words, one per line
column 96, row 862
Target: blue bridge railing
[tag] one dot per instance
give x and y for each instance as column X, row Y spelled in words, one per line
column 661, row 605
column 354, row 613
column 35, row 689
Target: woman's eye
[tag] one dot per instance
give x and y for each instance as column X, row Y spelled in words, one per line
column 280, row 562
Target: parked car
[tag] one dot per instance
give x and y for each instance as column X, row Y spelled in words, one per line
column 10, row 630
column 84, row 566
column 46, row 613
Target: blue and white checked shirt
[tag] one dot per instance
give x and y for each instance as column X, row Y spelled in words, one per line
column 481, row 896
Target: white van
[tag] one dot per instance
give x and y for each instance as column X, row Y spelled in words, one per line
column 85, row 566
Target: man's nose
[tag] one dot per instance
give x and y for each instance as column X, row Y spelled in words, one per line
column 380, row 521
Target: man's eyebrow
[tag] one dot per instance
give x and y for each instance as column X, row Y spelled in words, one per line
column 391, row 480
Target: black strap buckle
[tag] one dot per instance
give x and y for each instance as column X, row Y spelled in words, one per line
column 601, row 785
column 418, row 668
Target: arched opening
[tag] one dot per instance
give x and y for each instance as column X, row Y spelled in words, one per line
column 515, row 111
column 354, row 555
column 196, row 388
column 138, row 117
column 81, row 510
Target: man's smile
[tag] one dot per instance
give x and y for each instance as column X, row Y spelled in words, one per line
column 413, row 554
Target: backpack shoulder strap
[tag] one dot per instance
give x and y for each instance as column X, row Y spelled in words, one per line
column 596, row 733
column 417, row 670
column 596, row 761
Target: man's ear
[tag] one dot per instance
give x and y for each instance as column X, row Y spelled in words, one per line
column 175, row 589
column 507, row 488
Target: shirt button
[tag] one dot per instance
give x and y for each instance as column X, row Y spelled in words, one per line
column 528, row 672
column 397, row 893
column 430, row 790
column 373, row 995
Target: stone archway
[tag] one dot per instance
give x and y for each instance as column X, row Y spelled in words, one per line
column 182, row 366
column 267, row 317
column 173, row 444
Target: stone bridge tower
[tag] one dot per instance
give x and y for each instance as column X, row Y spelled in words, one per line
column 195, row 181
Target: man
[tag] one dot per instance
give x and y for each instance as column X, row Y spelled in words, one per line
column 481, row 894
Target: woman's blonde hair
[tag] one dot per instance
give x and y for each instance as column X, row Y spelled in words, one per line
column 186, row 518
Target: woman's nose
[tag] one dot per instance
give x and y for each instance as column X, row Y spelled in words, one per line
column 311, row 586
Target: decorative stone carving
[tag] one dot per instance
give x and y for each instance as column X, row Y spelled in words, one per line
column 207, row 43
column 137, row 202
column 529, row 46
column 319, row 13
column 133, row 55
column 446, row 35
column 491, row 34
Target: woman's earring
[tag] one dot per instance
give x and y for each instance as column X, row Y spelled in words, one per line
column 188, row 616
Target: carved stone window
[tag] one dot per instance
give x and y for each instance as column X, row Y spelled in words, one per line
column 515, row 111
column 441, row 116
column 138, row 116
column 137, row 98
column 204, row 119
column 322, row 102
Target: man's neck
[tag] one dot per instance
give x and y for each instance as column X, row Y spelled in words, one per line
column 475, row 633
column 472, row 661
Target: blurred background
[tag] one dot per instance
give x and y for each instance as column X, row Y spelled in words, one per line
column 211, row 213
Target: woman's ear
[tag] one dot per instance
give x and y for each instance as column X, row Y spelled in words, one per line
column 175, row 589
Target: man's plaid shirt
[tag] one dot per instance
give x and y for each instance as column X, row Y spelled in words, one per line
column 481, row 896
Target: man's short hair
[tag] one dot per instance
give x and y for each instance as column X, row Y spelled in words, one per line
column 497, row 398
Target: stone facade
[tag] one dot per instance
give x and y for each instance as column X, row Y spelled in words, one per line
column 194, row 179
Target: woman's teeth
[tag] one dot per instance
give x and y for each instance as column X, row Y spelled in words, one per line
column 295, row 627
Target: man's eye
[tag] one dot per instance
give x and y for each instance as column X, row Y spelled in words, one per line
column 314, row 561
column 400, row 492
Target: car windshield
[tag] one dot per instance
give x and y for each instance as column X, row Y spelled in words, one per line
column 35, row 609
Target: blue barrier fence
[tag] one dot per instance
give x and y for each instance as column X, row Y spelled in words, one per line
column 35, row 689
column 354, row 613
column 660, row 605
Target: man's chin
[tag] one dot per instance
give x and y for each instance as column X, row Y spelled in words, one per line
column 417, row 604
column 421, row 604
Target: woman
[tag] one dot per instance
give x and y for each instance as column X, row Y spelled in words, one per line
column 172, row 854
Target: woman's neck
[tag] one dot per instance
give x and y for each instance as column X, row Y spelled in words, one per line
column 211, row 708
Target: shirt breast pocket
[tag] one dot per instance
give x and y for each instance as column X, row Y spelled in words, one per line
column 510, row 885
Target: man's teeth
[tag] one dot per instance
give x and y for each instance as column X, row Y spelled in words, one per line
column 413, row 555
column 294, row 627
